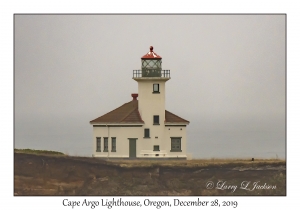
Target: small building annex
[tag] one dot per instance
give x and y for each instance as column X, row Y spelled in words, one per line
column 142, row 128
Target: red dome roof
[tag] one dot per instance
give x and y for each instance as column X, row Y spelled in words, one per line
column 151, row 54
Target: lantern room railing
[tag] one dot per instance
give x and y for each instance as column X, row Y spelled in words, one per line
column 151, row 73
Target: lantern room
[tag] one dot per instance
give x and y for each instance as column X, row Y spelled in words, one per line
column 151, row 66
column 151, row 60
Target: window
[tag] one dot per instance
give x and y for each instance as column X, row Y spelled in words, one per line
column 151, row 63
column 156, row 120
column 98, row 144
column 147, row 133
column 105, row 144
column 176, row 144
column 155, row 88
column 113, row 144
column 156, row 148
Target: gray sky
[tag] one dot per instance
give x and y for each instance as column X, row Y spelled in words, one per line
column 228, row 78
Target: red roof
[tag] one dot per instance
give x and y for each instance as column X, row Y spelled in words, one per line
column 151, row 55
column 129, row 113
column 172, row 118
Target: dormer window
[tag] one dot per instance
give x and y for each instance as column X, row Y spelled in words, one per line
column 155, row 88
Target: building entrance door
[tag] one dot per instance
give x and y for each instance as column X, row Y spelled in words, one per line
column 132, row 148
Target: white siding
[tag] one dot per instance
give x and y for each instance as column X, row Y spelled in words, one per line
column 144, row 146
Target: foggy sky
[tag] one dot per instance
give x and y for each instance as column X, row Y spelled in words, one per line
column 227, row 78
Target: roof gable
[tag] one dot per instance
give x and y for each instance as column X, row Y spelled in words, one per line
column 172, row 118
column 129, row 113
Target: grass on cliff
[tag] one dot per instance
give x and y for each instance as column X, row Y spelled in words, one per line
column 213, row 162
column 38, row 152
column 198, row 162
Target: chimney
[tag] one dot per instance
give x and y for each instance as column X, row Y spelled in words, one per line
column 134, row 96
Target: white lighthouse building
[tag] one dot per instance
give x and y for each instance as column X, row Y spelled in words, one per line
column 142, row 128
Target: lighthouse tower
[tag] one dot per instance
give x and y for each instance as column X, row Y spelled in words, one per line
column 151, row 91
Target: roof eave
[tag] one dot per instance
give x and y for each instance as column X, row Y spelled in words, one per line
column 177, row 123
column 117, row 123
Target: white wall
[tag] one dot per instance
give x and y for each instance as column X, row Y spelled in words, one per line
column 151, row 104
column 143, row 145
column 122, row 143
column 175, row 131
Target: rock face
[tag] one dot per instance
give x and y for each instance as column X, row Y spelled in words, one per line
column 63, row 175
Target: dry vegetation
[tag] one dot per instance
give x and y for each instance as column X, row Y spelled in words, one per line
column 42, row 152
column 197, row 162
column 38, row 173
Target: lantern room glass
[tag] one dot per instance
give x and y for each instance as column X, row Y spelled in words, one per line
column 151, row 64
